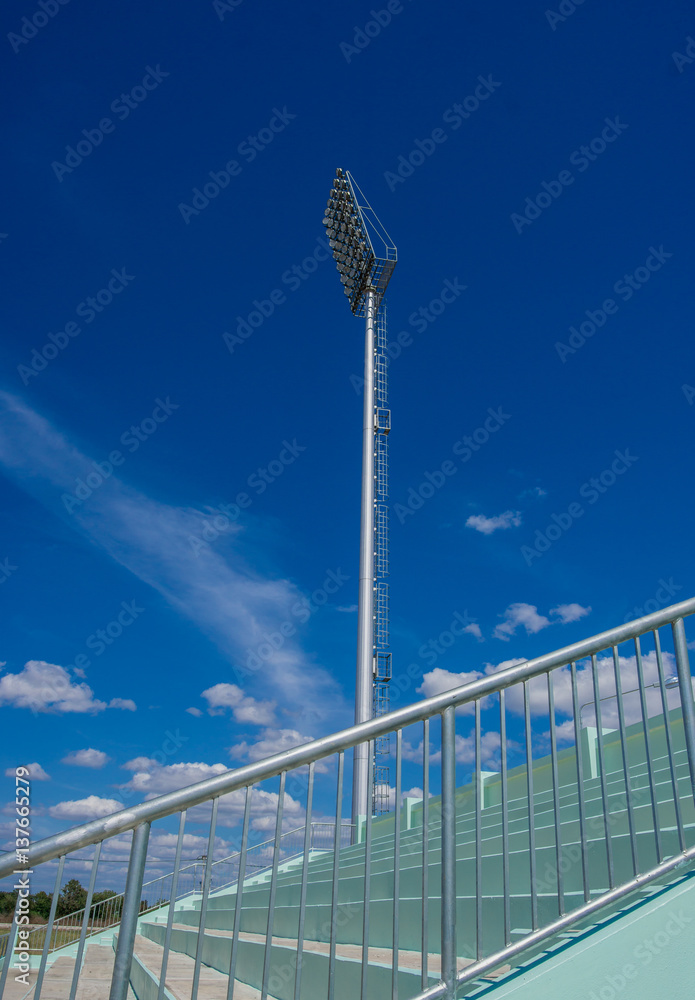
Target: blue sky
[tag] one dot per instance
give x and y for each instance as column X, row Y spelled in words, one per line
column 165, row 174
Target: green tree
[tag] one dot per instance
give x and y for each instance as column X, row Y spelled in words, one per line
column 72, row 898
column 8, row 901
column 40, row 904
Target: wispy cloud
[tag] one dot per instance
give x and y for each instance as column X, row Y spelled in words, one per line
column 235, row 606
column 488, row 525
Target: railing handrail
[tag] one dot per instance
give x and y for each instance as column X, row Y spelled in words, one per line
column 211, row 788
column 74, row 918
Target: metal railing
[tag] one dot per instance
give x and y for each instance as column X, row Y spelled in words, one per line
column 106, row 913
column 513, row 722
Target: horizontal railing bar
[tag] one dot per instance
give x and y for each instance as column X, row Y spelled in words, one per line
column 230, row 781
column 485, row 965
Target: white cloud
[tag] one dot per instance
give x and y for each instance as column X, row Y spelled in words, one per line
column 127, row 704
column 195, row 712
column 520, row 614
column 272, row 741
column 437, row 681
column 87, row 758
column 244, row 708
column 474, row 629
column 36, row 772
column 569, row 613
column 157, row 779
column 46, row 687
column 93, row 807
column 213, row 586
column 487, row 525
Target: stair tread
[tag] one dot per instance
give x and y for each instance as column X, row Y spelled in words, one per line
column 407, row 960
column 94, row 981
column 179, row 977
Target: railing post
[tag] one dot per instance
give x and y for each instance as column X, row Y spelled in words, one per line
column 449, row 852
column 685, row 684
column 130, row 912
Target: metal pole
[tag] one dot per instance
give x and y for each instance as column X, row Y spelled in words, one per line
column 131, row 911
column 448, row 947
column 680, row 644
column 365, row 605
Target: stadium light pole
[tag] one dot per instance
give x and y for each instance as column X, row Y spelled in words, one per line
column 365, row 257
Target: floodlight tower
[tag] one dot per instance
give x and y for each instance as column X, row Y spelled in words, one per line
column 366, row 256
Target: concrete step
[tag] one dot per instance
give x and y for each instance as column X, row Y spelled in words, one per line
column 94, row 982
column 217, row 953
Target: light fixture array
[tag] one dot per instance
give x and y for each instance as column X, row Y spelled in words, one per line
column 348, row 224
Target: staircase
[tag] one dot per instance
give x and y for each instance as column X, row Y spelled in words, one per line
column 219, row 921
column 570, row 874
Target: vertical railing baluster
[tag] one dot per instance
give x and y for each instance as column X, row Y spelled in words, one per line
column 172, row 906
column 336, row 874
column 425, row 850
column 85, row 922
column 531, row 808
column 9, row 948
column 584, row 847
column 49, row 931
column 364, row 985
column 396, row 867
column 669, row 741
column 685, row 684
column 648, row 750
column 626, row 760
column 303, row 889
column 556, row 797
column 505, row 823
column 448, row 947
column 602, row 772
column 273, row 888
column 478, row 791
column 241, row 875
column 129, row 914
column 204, row 901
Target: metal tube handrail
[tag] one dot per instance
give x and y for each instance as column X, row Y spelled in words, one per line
column 203, row 791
